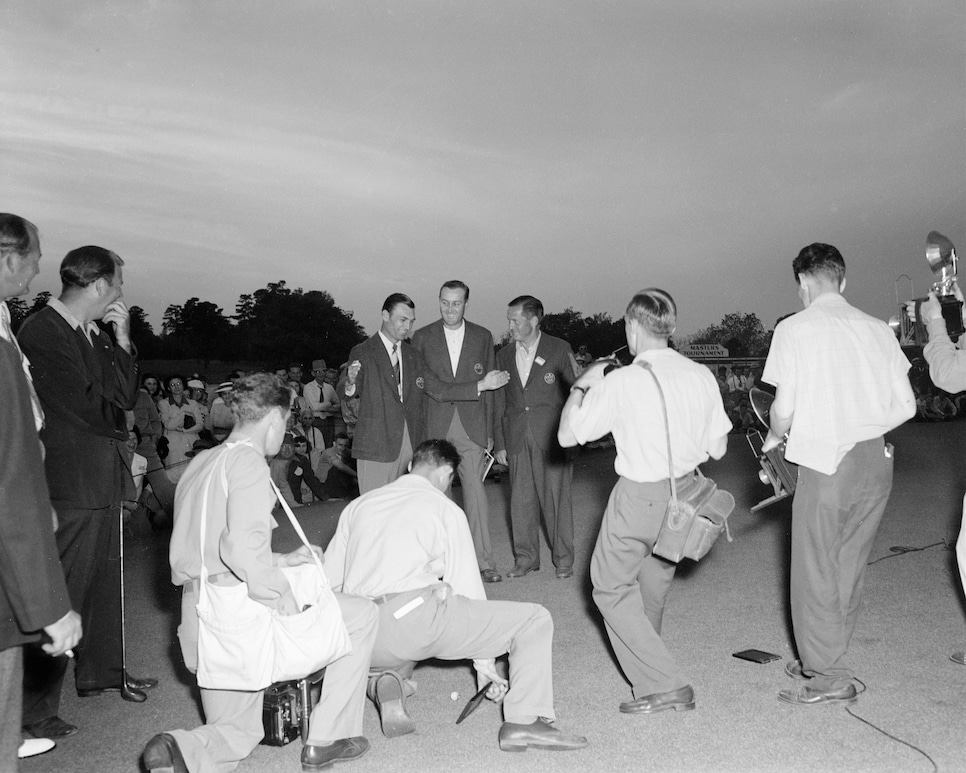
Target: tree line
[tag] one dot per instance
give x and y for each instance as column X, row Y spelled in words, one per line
column 278, row 323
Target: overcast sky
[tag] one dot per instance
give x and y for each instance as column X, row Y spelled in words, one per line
column 576, row 151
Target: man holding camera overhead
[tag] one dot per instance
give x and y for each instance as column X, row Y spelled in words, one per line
column 947, row 369
column 841, row 383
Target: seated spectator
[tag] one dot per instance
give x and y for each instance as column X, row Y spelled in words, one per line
column 301, row 474
column 183, row 421
column 336, row 470
column 152, row 385
column 197, row 391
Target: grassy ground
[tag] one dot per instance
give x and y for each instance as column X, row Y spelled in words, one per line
column 735, row 599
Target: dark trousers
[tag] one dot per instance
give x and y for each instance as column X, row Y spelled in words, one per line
column 834, row 522
column 631, row 583
column 89, row 545
column 540, row 482
column 11, row 680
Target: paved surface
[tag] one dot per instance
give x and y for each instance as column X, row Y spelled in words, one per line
column 735, row 599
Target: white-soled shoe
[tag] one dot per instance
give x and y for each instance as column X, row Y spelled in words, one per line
column 31, row 747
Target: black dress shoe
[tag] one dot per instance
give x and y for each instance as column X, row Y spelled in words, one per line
column 391, row 701
column 162, row 755
column 809, row 696
column 681, row 699
column 320, row 757
column 565, row 572
column 521, row 570
column 490, row 575
column 135, row 687
column 51, row 727
column 538, row 735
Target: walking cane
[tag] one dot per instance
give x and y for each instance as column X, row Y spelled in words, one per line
column 128, row 693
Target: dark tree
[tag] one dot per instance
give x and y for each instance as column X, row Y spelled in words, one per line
column 142, row 334
column 18, row 312
column 742, row 335
column 198, row 329
column 40, row 300
column 278, row 325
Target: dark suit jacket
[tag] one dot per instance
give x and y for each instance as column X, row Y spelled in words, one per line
column 32, row 589
column 84, row 391
column 477, row 358
column 379, row 431
column 537, row 406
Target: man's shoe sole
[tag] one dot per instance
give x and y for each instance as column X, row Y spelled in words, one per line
column 390, row 699
column 667, row 707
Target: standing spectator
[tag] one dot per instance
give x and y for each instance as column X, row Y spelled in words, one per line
column 183, row 421
column 33, row 594
column 197, row 391
column 736, row 379
column 321, row 398
column 390, row 380
column 631, row 583
column 86, row 379
column 841, row 385
column 526, row 422
column 294, row 372
column 458, row 350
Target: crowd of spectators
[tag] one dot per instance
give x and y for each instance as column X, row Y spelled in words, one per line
column 177, row 416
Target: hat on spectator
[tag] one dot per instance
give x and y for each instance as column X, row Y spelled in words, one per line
column 196, row 384
column 289, row 439
column 225, row 386
column 318, row 364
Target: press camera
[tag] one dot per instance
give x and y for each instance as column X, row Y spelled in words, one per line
column 909, row 324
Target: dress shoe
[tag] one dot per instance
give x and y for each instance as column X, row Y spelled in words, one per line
column 521, row 570
column 134, row 693
column 491, row 575
column 809, row 696
column 391, row 700
column 539, row 735
column 31, row 747
column 51, row 727
column 794, row 669
column 565, row 572
column 162, row 755
column 681, row 699
column 321, row 757
column 958, row 658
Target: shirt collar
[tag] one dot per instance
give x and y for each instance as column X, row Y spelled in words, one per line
column 389, row 344
column 57, row 305
column 532, row 351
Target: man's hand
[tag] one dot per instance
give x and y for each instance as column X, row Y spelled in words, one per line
column 119, row 317
column 771, row 441
column 500, row 457
column 300, row 556
column 930, row 309
column 495, row 379
column 354, row 367
column 593, row 374
column 64, row 634
column 486, row 672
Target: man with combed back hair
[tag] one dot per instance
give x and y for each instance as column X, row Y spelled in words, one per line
column 407, row 546
column 86, row 377
column 630, row 582
column 841, row 383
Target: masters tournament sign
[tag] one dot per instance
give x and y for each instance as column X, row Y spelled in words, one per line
column 704, row 350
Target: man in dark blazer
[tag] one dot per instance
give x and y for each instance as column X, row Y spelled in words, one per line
column 391, row 378
column 543, row 369
column 33, row 595
column 458, row 350
column 85, row 382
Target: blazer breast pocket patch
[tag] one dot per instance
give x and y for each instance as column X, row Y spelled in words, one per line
column 478, row 369
column 420, row 382
column 549, row 378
